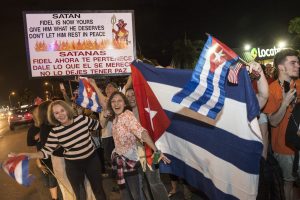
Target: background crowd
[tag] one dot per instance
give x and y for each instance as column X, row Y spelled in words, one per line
column 77, row 148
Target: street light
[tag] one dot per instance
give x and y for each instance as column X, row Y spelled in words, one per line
column 247, row 47
column 282, row 44
column 12, row 93
column 47, row 83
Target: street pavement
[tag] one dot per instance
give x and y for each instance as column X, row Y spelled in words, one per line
column 15, row 141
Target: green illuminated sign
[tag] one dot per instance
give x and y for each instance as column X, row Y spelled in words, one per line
column 263, row 53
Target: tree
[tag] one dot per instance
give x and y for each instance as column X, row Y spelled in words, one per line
column 294, row 28
column 186, row 53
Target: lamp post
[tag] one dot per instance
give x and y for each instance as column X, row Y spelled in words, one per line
column 10, row 94
column 47, row 83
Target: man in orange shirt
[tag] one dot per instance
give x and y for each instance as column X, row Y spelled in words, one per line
column 282, row 98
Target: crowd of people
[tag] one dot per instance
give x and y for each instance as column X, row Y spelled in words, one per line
column 76, row 147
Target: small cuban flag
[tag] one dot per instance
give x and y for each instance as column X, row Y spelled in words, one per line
column 17, row 167
column 205, row 93
column 87, row 97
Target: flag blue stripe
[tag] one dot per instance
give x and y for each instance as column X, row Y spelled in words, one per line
column 206, row 95
column 205, row 136
column 25, row 172
column 219, row 105
column 192, row 85
column 178, row 78
column 80, row 98
column 90, row 104
column 195, row 178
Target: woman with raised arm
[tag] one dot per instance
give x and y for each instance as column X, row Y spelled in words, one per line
column 73, row 135
column 126, row 130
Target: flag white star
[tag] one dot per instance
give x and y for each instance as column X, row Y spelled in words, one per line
column 152, row 114
column 218, row 55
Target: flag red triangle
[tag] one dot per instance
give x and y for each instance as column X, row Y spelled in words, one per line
column 152, row 116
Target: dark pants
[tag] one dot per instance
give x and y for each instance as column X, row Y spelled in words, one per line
column 131, row 190
column 100, row 154
column 91, row 168
column 153, row 187
column 108, row 146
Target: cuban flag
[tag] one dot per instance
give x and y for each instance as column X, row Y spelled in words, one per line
column 205, row 93
column 152, row 116
column 219, row 157
column 87, row 97
column 18, row 168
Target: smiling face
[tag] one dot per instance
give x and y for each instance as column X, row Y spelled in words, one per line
column 110, row 88
column 117, row 104
column 131, row 98
column 61, row 115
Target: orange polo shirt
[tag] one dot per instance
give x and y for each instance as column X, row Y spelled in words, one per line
column 272, row 105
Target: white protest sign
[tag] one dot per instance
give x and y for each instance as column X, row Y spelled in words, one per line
column 79, row 43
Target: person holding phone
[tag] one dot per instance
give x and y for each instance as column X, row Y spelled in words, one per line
column 279, row 107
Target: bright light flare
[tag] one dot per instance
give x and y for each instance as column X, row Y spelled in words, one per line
column 282, row 44
column 247, row 47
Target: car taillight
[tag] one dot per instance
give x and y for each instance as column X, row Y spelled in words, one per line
column 27, row 116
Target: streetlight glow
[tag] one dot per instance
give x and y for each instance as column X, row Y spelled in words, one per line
column 47, row 83
column 281, row 44
column 247, row 47
column 10, row 94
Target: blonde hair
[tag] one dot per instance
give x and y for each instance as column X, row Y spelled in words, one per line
column 70, row 111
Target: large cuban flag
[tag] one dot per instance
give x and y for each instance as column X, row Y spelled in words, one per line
column 18, row 168
column 205, row 93
column 87, row 97
column 219, row 157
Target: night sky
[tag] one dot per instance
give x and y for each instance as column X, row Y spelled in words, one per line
column 157, row 23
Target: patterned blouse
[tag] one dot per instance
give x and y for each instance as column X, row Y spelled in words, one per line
column 125, row 129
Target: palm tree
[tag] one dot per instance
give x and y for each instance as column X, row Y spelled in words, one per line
column 186, row 53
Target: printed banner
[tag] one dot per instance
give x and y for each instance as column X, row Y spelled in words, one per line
column 79, row 43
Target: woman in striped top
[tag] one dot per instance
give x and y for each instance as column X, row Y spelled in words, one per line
column 73, row 134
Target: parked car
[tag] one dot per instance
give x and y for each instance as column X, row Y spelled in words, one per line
column 20, row 116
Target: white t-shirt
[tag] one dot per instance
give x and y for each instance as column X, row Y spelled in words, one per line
column 107, row 131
